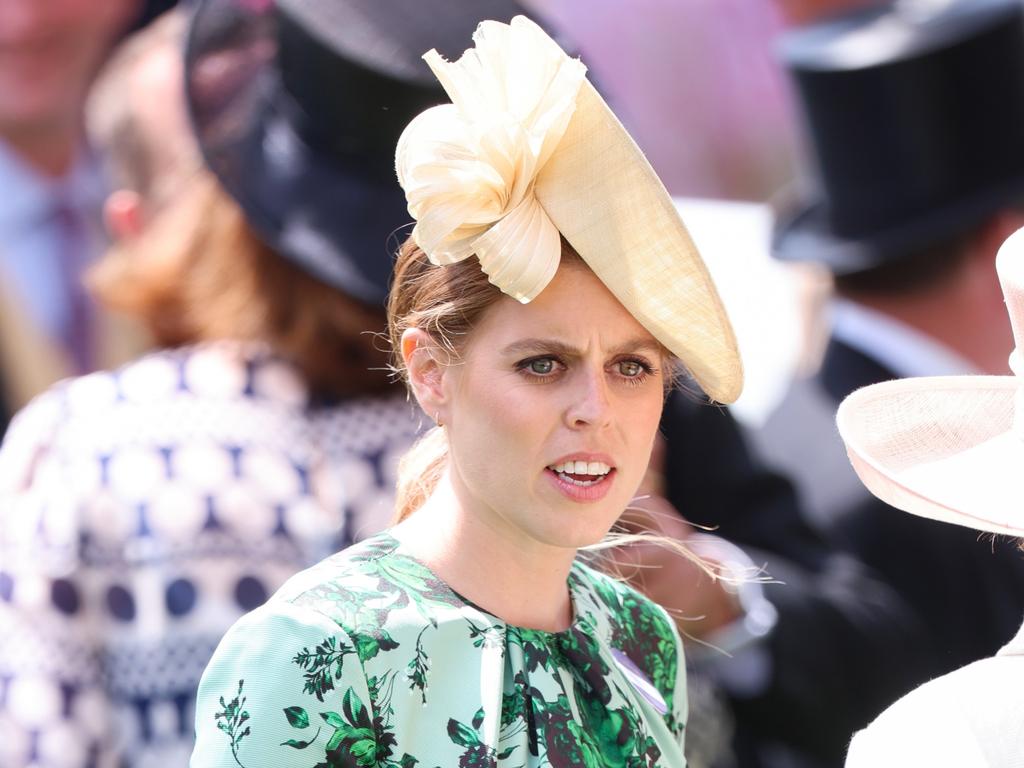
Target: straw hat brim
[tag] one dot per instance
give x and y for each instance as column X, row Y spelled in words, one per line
column 943, row 448
column 606, row 200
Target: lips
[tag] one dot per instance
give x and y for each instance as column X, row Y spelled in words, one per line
column 582, row 477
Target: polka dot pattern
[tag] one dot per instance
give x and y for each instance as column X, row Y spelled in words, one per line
column 180, row 597
column 120, row 603
column 171, row 497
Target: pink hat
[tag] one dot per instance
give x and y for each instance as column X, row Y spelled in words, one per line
column 949, row 447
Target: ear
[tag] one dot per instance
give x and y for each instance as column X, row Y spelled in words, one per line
column 425, row 362
column 122, row 214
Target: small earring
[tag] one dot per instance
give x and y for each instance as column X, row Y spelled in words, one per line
column 437, row 419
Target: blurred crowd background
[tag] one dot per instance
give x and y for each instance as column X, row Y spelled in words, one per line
column 191, row 297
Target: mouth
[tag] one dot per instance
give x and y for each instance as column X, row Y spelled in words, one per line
column 582, row 481
column 582, row 473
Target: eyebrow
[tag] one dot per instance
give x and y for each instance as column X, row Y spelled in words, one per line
column 554, row 346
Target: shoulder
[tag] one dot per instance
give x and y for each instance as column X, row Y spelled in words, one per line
column 40, row 429
column 311, row 667
column 625, row 607
column 277, row 676
column 378, row 596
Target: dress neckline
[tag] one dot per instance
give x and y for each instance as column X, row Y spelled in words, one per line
column 580, row 620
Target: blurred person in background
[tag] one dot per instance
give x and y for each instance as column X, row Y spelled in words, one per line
column 146, row 508
column 915, row 113
column 949, row 449
column 801, row 12
column 698, row 84
column 765, row 655
column 50, row 228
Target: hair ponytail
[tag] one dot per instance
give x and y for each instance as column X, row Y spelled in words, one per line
column 419, row 472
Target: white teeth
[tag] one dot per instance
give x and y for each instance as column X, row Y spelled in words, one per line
column 584, row 483
column 592, row 468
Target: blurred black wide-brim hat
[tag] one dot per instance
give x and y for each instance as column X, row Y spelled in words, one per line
column 297, row 106
column 915, row 114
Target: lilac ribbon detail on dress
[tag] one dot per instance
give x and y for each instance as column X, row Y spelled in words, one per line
column 639, row 681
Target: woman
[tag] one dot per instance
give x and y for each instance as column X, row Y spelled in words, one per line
column 536, row 314
column 950, row 449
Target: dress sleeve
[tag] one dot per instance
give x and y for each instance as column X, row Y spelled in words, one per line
column 285, row 688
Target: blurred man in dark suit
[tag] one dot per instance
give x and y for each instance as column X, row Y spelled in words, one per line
column 914, row 111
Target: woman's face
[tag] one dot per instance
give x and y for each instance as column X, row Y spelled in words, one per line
column 551, row 412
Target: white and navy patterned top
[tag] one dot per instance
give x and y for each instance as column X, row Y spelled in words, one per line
column 142, row 512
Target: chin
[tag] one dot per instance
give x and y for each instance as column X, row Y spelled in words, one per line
column 580, row 534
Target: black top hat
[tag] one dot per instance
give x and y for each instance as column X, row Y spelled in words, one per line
column 298, row 105
column 916, row 116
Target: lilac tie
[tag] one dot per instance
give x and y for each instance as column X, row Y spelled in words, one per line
column 72, row 253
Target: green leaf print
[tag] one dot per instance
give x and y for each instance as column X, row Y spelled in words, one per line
column 534, row 643
column 461, row 734
column 476, row 754
column 297, row 717
column 416, row 669
column 486, row 637
column 368, row 645
column 300, row 744
column 354, row 710
column 354, row 734
column 416, row 584
column 230, row 720
column 323, row 666
column 643, row 633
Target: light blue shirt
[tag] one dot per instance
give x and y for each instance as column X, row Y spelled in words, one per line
column 30, row 238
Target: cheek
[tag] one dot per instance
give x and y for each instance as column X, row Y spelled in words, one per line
column 640, row 427
column 497, row 431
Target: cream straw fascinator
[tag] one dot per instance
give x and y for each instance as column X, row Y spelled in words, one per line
column 528, row 151
column 950, row 448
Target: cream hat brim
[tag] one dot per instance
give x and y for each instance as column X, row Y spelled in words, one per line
column 606, row 200
column 944, row 448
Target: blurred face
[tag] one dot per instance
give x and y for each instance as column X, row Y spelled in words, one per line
column 811, row 11
column 551, row 413
column 49, row 51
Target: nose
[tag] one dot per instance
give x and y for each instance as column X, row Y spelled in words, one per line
column 590, row 404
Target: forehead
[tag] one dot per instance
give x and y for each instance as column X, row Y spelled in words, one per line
column 575, row 307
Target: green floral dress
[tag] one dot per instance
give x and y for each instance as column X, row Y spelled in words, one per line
column 368, row 659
